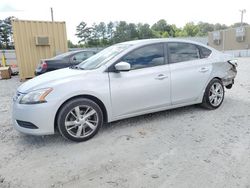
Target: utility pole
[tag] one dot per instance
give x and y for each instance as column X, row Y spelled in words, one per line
column 52, row 14
column 242, row 13
column 53, row 29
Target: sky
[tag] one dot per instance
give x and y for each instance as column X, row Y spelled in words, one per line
column 145, row 11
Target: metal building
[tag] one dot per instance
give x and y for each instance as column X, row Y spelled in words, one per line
column 230, row 39
column 35, row 40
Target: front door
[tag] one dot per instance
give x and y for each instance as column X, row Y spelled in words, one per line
column 145, row 87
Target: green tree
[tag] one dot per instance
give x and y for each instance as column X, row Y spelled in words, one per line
column 162, row 29
column 132, row 31
column 6, row 33
column 204, row 28
column 191, row 29
column 110, row 32
column 238, row 24
column 121, row 32
column 173, row 30
column 219, row 26
column 125, row 32
column 94, row 36
column 144, row 31
column 71, row 45
column 181, row 33
column 83, row 32
column 101, row 30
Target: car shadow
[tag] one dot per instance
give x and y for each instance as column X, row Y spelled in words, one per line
column 39, row 141
column 153, row 117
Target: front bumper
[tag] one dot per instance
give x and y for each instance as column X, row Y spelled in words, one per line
column 42, row 116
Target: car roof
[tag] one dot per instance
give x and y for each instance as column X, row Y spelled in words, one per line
column 152, row 41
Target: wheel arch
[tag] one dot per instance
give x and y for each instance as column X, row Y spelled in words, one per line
column 216, row 78
column 90, row 97
column 204, row 89
column 204, row 98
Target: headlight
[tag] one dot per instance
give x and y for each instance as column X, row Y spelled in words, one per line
column 36, row 96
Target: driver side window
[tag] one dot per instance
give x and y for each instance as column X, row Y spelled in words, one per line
column 148, row 56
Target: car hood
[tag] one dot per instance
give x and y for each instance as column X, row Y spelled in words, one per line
column 50, row 78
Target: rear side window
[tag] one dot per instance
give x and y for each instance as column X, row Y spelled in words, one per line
column 204, row 52
column 147, row 56
column 179, row 52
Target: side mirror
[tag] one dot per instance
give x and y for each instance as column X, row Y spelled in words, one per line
column 122, row 66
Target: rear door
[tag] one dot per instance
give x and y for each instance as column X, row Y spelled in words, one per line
column 145, row 87
column 189, row 72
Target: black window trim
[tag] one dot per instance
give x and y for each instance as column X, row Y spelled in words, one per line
column 200, row 51
column 168, row 53
column 111, row 68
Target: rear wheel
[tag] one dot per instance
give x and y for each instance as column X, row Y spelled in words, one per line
column 214, row 94
column 79, row 119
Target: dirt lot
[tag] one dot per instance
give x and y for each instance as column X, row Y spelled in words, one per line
column 185, row 147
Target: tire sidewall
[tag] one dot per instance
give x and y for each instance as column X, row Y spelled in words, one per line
column 67, row 107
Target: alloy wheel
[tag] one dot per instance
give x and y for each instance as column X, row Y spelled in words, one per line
column 81, row 121
column 216, row 93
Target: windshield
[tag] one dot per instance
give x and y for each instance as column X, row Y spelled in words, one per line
column 103, row 57
column 61, row 56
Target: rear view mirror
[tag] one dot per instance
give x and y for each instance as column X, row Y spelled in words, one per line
column 122, row 66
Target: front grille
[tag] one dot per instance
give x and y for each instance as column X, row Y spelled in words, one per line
column 26, row 124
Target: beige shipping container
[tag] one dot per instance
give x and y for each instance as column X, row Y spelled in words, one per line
column 36, row 40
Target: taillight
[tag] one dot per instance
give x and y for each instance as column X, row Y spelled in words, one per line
column 44, row 65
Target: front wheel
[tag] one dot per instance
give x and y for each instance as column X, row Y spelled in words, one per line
column 79, row 119
column 214, row 94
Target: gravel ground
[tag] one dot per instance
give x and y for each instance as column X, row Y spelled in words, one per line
column 184, row 147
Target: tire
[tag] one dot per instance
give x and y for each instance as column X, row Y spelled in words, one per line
column 214, row 94
column 79, row 119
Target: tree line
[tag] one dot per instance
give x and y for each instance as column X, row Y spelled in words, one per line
column 104, row 34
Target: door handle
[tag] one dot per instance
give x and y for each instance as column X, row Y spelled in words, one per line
column 161, row 77
column 203, row 69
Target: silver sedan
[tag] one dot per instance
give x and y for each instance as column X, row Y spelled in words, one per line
column 124, row 80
